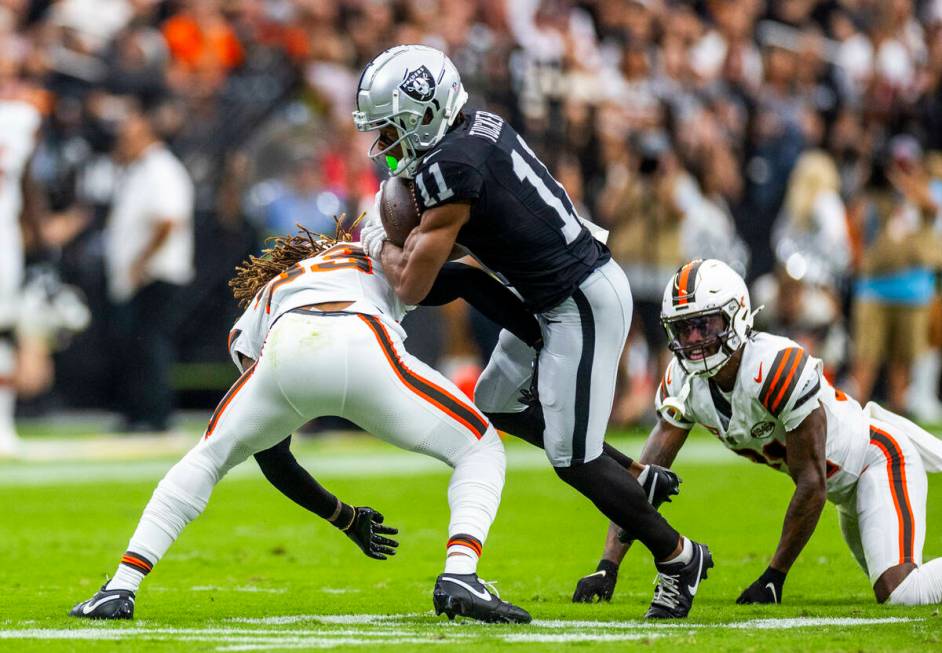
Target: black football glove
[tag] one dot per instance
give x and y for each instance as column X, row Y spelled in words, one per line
column 660, row 484
column 767, row 589
column 598, row 586
column 367, row 530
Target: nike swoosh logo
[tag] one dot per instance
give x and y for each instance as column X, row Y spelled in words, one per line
column 597, row 573
column 87, row 609
column 693, row 589
column 771, row 588
column 428, row 156
column 483, row 594
column 758, row 377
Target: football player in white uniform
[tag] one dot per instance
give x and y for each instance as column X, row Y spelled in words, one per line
column 765, row 398
column 321, row 336
column 20, row 121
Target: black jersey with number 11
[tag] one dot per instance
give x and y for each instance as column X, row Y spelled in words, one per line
column 522, row 223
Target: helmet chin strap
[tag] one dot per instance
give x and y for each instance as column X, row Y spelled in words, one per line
column 673, row 407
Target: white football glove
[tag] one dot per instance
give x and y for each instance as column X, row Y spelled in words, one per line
column 372, row 238
column 372, row 233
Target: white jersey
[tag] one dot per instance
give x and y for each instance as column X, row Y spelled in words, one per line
column 777, row 386
column 343, row 273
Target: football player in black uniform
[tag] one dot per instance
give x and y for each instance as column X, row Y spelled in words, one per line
column 478, row 185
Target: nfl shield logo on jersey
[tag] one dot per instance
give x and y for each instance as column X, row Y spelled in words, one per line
column 419, row 84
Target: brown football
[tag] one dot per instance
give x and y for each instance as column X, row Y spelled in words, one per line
column 398, row 209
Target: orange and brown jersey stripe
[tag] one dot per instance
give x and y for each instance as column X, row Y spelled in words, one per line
column 685, row 282
column 896, row 470
column 137, row 562
column 233, row 335
column 465, row 540
column 233, row 391
column 466, row 415
column 287, row 276
column 782, row 378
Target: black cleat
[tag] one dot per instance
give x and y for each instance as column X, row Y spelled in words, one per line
column 466, row 595
column 106, row 604
column 677, row 584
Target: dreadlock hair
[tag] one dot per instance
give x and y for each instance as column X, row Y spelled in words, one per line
column 283, row 252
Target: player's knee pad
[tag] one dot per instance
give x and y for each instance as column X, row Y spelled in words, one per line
column 923, row 586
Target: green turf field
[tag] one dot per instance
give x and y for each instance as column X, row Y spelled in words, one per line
column 256, row 573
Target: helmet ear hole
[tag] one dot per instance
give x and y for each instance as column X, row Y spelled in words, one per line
column 428, row 117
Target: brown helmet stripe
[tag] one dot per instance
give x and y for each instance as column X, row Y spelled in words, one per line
column 685, row 283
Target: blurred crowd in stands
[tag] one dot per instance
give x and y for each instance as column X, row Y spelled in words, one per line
column 798, row 140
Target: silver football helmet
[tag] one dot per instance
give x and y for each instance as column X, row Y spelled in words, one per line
column 414, row 89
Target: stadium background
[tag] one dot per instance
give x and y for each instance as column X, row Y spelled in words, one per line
column 798, row 140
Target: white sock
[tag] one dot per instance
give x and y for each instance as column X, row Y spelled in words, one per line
column 685, row 555
column 923, row 586
column 474, row 496
column 180, row 498
column 461, row 559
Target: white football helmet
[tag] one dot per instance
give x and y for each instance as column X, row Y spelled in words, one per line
column 415, row 89
column 707, row 315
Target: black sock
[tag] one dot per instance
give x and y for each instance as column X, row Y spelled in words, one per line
column 620, row 498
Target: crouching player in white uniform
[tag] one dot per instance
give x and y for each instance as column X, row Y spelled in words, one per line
column 763, row 396
column 321, row 336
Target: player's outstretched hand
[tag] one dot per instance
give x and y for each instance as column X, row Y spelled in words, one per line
column 367, row 531
column 767, row 589
column 598, row 586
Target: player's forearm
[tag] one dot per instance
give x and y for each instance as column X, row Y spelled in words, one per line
column 410, row 272
column 615, row 550
column 801, row 519
column 663, row 445
column 486, row 294
column 283, row 471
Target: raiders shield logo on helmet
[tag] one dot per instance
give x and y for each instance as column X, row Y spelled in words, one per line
column 419, row 84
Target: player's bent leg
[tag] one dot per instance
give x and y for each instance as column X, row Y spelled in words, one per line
column 891, row 512
column 506, row 375
column 850, row 529
column 619, row 497
column 911, row 585
column 504, row 391
column 411, row 405
column 251, row 417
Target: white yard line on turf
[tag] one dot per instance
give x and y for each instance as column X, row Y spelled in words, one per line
column 384, row 630
column 372, row 464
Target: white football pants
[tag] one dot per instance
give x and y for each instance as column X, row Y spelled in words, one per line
column 350, row 366
column 884, row 521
